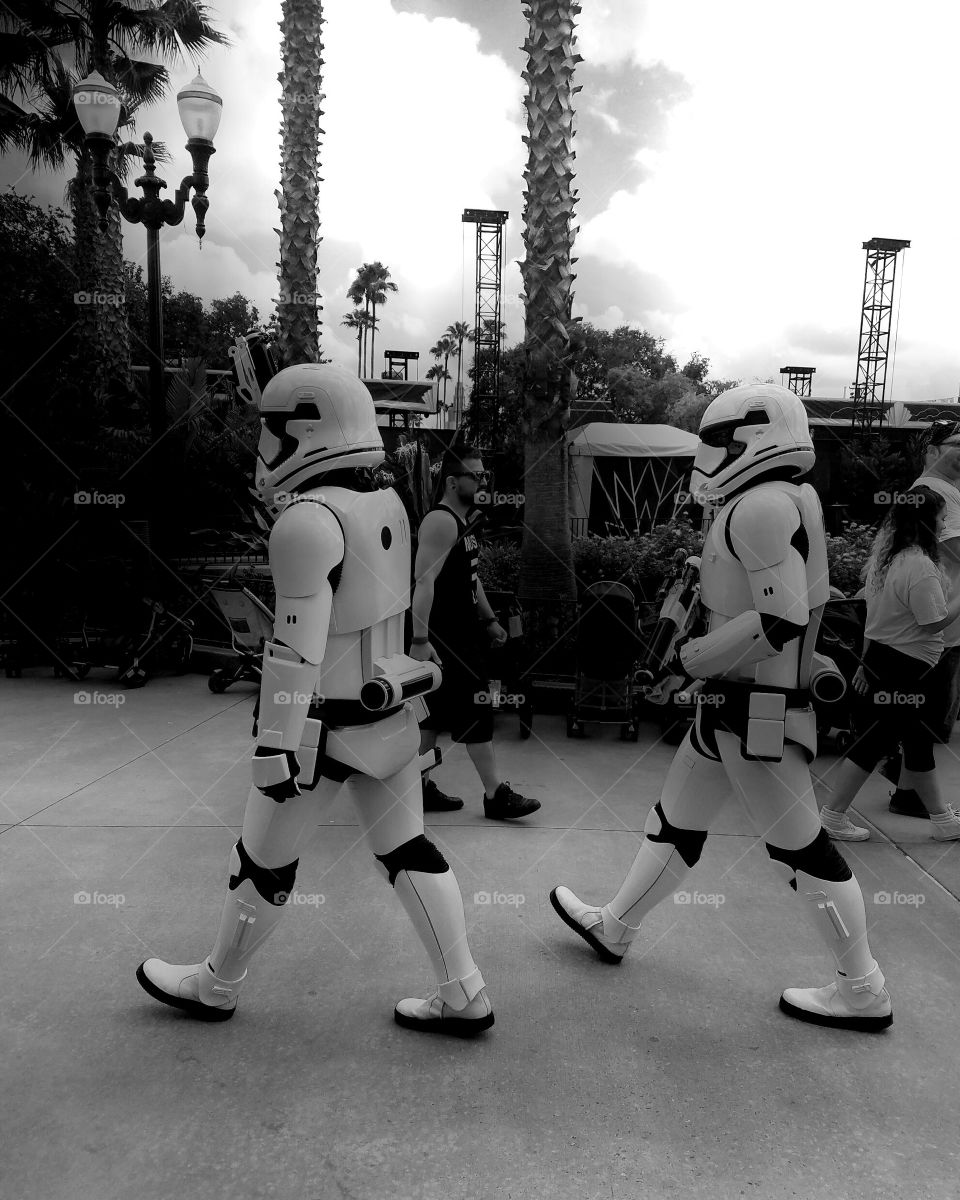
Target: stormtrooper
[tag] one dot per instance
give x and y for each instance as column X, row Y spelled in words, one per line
column 763, row 584
column 339, row 703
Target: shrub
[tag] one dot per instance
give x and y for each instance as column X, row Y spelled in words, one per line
column 847, row 552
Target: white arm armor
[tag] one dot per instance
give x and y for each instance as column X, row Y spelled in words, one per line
column 766, row 535
column 306, row 544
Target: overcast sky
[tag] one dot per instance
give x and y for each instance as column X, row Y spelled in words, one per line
column 732, row 159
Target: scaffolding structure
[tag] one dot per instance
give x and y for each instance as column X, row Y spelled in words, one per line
column 485, row 396
column 878, row 289
column 799, row 379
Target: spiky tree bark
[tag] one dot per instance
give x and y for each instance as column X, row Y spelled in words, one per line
column 298, row 309
column 546, row 571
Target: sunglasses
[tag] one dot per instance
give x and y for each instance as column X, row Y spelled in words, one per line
column 942, row 430
column 476, row 476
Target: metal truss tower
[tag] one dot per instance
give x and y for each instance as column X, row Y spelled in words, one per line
column 878, row 284
column 800, row 379
column 485, row 396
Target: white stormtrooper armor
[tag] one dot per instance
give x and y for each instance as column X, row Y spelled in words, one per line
column 763, row 582
column 339, row 702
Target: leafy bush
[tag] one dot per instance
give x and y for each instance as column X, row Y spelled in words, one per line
column 639, row 562
column 847, row 553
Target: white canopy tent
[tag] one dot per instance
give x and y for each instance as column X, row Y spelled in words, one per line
column 626, row 477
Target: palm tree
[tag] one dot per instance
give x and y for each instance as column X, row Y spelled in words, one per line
column 301, row 78
column 445, row 346
column 359, row 293
column 45, row 48
column 459, row 332
column 361, row 322
column 439, row 373
column 380, row 285
column 546, row 570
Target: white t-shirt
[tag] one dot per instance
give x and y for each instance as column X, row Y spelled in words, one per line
column 951, row 529
column 912, row 594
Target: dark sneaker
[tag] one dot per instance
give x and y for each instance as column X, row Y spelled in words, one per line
column 436, row 801
column 506, row 804
column 906, row 803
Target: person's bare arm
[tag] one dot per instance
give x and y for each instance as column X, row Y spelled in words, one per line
column 438, row 535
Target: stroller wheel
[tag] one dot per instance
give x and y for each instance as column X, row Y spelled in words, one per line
column 81, row 670
column 217, row 683
column 133, row 677
column 843, row 740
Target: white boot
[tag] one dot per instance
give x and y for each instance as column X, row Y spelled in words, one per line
column 180, row 986
column 459, row 1007
column 861, row 1004
column 598, row 927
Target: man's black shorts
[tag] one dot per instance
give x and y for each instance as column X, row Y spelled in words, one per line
column 461, row 705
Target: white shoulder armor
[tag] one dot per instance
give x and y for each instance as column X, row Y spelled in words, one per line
column 762, row 526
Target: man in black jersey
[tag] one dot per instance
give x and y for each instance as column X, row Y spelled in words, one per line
column 452, row 625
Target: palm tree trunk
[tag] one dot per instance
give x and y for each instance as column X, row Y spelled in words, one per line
column 360, row 353
column 103, row 333
column 546, row 571
column 302, row 76
column 373, row 337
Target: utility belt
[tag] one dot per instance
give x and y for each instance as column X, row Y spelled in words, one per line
column 339, row 713
column 763, row 717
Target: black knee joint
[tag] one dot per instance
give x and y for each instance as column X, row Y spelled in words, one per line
column 821, row 859
column 274, row 884
column 688, row 842
column 419, row 854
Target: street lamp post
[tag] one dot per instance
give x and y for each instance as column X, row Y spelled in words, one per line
column 98, row 108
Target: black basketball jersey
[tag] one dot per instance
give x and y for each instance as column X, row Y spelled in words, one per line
column 455, row 588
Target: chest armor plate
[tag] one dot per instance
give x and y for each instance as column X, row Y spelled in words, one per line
column 374, row 581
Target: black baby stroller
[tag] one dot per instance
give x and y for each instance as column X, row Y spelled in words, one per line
column 508, row 691
column 840, row 639
column 607, row 645
column 251, row 624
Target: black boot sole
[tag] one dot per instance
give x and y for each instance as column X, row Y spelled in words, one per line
column 461, row 1027
column 858, row 1024
column 907, row 812
column 195, row 1008
column 604, row 954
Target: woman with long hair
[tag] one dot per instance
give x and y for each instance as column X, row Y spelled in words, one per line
column 907, row 610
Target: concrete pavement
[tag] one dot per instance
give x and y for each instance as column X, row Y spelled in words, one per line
column 673, row 1075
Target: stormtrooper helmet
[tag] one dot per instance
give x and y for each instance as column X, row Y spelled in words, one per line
column 748, row 434
column 315, row 418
